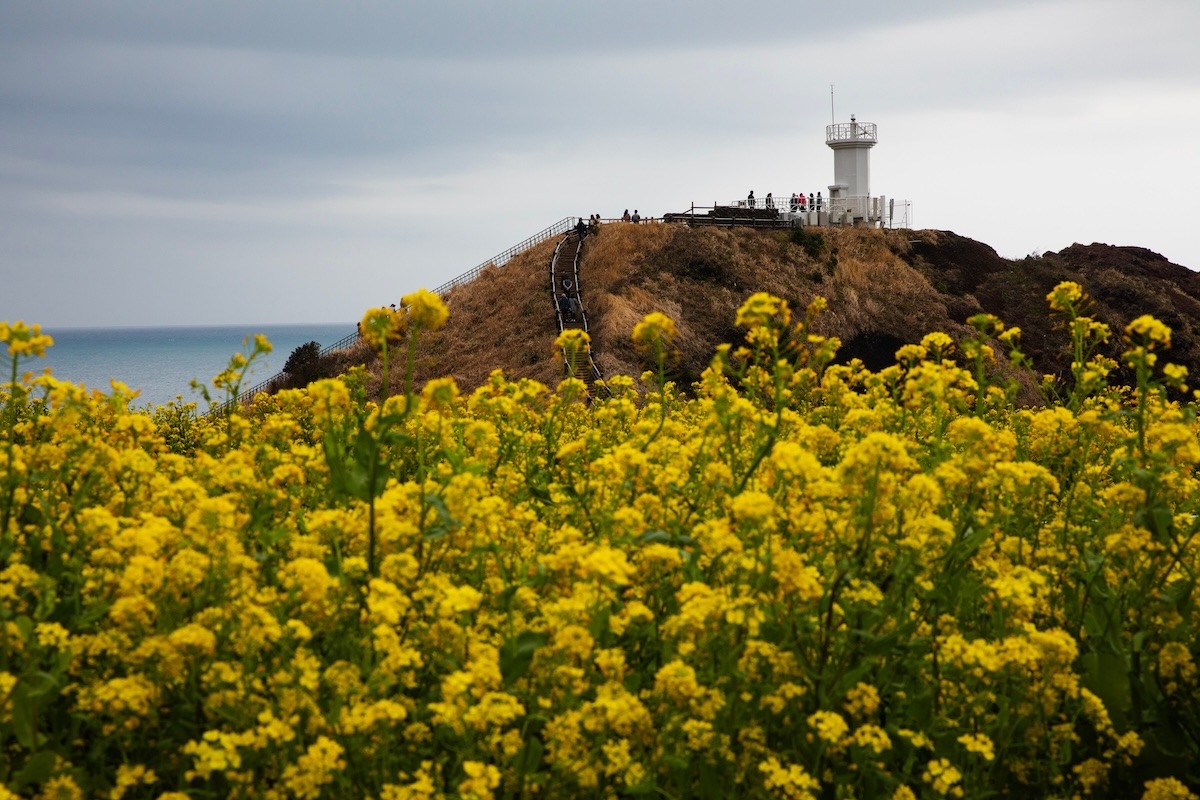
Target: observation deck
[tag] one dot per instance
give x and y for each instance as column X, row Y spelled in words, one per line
column 844, row 133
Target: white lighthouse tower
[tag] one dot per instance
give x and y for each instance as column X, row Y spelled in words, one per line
column 850, row 200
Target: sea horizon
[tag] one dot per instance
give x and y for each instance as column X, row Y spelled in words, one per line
column 161, row 360
column 170, row 325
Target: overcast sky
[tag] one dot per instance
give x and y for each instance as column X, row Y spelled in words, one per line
column 274, row 161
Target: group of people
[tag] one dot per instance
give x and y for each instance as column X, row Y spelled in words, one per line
column 810, row 203
column 769, row 202
column 584, row 228
column 798, row 203
column 634, row 217
column 568, row 302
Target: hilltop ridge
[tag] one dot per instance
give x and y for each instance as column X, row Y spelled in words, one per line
column 885, row 288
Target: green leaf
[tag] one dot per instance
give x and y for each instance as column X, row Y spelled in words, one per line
column 881, row 645
column 505, row 599
column 517, row 654
column 24, row 711
column 445, row 522
column 1107, row 676
column 531, row 756
column 1161, row 522
column 37, row 770
column 367, row 473
column 655, row 537
column 1176, row 593
column 39, row 684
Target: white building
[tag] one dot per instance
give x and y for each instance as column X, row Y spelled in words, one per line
column 850, row 201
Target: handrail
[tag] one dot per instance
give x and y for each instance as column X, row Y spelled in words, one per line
column 732, row 215
column 851, row 131
column 499, row 260
column 562, row 226
column 340, row 344
column 780, row 202
column 577, row 291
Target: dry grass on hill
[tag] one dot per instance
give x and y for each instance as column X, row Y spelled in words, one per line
column 698, row 276
column 884, row 287
column 502, row 319
column 873, row 289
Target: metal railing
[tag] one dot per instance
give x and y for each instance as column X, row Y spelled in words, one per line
column 850, row 131
column 779, row 202
column 560, row 280
column 885, row 212
column 246, row 394
column 730, row 215
column 562, row 226
column 557, row 229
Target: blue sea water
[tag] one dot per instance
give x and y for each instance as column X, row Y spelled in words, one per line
column 161, row 362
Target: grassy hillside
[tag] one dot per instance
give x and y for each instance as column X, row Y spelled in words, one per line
column 885, row 288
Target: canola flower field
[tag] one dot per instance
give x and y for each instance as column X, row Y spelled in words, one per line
column 798, row 580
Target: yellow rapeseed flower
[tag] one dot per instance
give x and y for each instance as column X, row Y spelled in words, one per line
column 381, row 326
column 1148, row 331
column 480, row 781
column 24, row 340
column 791, row 780
column 762, row 309
column 980, row 744
column 1167, row 789
column 425, row 310
column 1064, row 298
column 656, row 331
column 573, row 340
column 830, row 726
column 943, row 777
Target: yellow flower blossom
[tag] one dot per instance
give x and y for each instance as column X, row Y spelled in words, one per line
column 380, row 326
column 1148, row 331
column 1167, row 789
column 24, row 340
column 979, row 744
column 790, row 781
column 943, row 778
column 1065, row 297
column 425, row 310
column 829, row 725
column 898, row 579
column 761, row 309
column 656, row 331
column 480, row 780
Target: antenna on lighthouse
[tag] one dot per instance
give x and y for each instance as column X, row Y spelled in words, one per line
column 832, row 115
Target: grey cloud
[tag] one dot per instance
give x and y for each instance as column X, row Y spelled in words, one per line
column 259, row 143
column 463, row 29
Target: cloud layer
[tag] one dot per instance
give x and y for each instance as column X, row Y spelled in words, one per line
column 229, row 162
